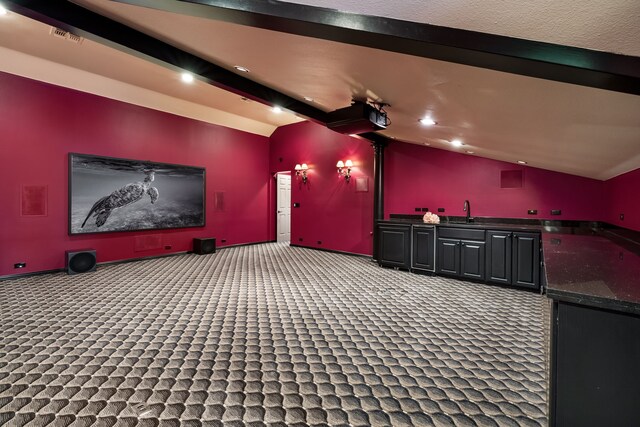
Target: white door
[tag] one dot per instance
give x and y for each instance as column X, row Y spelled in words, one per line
column 284, row 208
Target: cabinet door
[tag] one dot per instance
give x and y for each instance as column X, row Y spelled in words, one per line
column 472, row 259
column 526, row 259
column 448, row 259
column 395, row 245
column 424, row 248
column 499, row 257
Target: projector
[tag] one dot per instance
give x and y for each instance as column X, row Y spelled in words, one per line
column 358, row 118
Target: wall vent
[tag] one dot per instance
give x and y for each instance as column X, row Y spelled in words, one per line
column 511, row 179
column 62, row 34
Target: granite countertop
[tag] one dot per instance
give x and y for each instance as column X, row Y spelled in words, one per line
column 509, row 226
column 585, row 263
column 597, row 269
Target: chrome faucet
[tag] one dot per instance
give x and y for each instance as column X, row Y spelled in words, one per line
column 467, row 209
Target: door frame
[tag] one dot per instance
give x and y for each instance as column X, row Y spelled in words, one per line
column 275, row 208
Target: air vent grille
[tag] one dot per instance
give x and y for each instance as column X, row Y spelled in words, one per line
column 62, row 34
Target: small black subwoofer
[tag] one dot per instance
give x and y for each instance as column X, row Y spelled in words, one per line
column 204, row 246
column 81, row 261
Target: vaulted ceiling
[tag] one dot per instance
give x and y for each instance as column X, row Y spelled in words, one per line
column 568, row 121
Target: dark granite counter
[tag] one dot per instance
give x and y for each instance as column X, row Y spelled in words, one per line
column 593, row 268
column 476, row 225
column 585, row 263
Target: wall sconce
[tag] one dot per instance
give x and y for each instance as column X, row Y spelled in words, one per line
column 301, row 169
column 344, row 169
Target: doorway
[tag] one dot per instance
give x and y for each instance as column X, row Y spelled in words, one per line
column 283, row 205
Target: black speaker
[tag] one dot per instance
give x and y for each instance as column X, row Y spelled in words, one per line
column 81, row 261
column 204, row 246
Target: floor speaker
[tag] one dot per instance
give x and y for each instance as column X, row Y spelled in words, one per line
column 81, row 261
column 204, row 246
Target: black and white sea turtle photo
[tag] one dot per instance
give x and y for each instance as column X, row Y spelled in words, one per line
column 123, row 196
column 109, row 194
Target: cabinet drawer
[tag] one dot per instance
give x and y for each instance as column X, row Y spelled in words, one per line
column 461, row 233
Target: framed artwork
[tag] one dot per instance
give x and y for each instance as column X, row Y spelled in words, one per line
column 109, row 194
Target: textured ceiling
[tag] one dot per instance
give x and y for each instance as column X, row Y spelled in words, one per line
column 551, row 125
column 605, row 25
column 27, row 48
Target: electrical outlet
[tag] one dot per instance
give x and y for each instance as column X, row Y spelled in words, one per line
column 556, row 212
column 532, row 212
column 20, row 265
column 440, row 209
column 299, row 239
column 621, row 217
column 417, row 209
column 167, row 247
column 425, row 209
column 223, row 241
column 319, row 242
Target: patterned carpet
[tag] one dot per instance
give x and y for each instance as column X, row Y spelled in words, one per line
column 268, row 335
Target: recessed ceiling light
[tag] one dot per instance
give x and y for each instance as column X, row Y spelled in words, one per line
column 186, row 77
column 308, row 99
column 241, row 68
column 427, row 121
column 276, row 109
column 457, row 143
column 426, row 143
column 470, row 152
column 3, row 10
column 522, row 162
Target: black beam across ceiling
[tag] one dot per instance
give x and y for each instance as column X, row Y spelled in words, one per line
column 78, row 20
column 548, row 61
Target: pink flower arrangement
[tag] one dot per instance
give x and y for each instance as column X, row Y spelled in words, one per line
column 431, row 218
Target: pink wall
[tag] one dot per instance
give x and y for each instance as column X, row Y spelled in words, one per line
column 418, row 176
column 622, row 198
column 40, row 124
column 331, row 210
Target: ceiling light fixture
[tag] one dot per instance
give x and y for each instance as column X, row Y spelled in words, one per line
column 276, row 109
column 308, row 99
column 457, row 143
column 522, row 162
column 470, row 152
column 427, row 121
column 186, row 77
column 3, row 10
column 241, row 68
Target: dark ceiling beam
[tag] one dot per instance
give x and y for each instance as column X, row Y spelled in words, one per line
column 548, row 61
column 93, row 26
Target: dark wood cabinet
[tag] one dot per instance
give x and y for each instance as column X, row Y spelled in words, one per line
column 526, row 260
column 461, row 252
column 513, row 258
column 448, row 258
column 499, row 256
column 394, row 245
column 472, row 259
column 594, row 367
column 423, row 245
column 494, row 256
